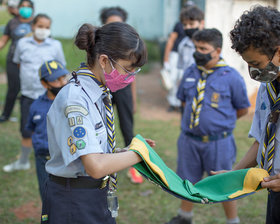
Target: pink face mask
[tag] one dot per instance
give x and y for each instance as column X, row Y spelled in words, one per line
column 116, row 81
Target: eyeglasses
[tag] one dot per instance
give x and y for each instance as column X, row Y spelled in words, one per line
column 129, row 73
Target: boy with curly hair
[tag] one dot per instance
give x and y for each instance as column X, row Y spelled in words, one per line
column 256, row 37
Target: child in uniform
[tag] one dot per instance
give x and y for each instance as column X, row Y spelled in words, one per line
column 213, row 96
column 256, row 38
column 81, row 133
column 52, row 76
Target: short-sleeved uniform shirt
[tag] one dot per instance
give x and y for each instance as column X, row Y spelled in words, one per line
column 258, row 128
column 225, row 92
column 15, row 29
column 76, row 126
column 179, row 29
column 186, row 49
column 31, row 55
column 37, row 123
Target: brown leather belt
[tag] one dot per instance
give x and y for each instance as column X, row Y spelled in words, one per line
column 80, row 182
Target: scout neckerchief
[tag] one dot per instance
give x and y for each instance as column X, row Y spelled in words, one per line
column 200, row 88
column 83, row 70
column 269, row 140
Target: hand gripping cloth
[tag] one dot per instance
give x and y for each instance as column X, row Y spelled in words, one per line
column 217, row 188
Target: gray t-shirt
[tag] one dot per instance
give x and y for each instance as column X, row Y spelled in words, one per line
column 15, row 29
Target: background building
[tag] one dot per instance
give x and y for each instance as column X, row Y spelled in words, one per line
column 154, row 20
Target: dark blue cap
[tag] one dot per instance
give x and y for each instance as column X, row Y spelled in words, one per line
column 52, row 70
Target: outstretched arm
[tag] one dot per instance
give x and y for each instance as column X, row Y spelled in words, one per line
column 100, row 165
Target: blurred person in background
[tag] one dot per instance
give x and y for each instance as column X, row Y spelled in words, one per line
column 125, row 99
column 177, row 54
column 30, row 53
column 13, row 7
column 17, row 27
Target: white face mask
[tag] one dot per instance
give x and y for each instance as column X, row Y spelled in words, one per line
column 41, row 33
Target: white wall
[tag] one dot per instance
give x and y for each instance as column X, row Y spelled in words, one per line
column 222, row 14
column 151, row 18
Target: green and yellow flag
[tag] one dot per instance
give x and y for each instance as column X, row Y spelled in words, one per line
column 222, row 187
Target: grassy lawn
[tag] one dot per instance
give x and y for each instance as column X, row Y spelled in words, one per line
column 143, row 203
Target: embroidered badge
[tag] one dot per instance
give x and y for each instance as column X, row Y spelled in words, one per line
column 215, row 105
column 215, row 97
column 37, row 117
column 79, row 120
column 79, row 132
column 98, row 125
column 53, row 65
column 75, row 108
column 80, row 144
column 71, row 121
column 70, row 141
column 44, row 218
column 73, row 149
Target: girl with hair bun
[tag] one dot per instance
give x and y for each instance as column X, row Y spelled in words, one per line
column 80, row 125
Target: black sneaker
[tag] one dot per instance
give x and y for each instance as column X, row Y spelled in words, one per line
column 180, row 220
column 3, row 118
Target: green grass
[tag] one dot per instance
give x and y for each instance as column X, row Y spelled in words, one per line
column 144, row 203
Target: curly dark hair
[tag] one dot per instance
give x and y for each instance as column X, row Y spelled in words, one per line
column 259, row 28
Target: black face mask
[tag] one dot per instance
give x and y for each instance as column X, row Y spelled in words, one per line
column 202, row 59
column 190, row 32
column 55, row 90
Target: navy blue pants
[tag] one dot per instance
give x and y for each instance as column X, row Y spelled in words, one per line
column 273, row 208
column 42, row 174
column 64, row 205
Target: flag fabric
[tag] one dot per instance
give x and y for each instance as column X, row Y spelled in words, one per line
column 217, row 188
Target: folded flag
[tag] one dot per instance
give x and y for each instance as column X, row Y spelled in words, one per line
column 218, row 188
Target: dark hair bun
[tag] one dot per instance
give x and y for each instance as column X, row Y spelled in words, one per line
column 85, row 38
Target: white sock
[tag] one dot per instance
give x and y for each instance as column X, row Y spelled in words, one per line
column 184, row 214
column 233, row 221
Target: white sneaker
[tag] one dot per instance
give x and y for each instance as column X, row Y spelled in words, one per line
column 16, row 166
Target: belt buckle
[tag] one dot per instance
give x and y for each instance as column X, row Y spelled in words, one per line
column 104, row 182
column 205, row 138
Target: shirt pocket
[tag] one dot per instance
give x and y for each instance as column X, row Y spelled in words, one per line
column 219, row 96
column 189, row 90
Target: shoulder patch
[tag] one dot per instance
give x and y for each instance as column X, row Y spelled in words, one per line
column 80, row 144
column 73, row 149
column 79, row 132
column 75, row 108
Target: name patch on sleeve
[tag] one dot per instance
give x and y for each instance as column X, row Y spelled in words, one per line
column 75, row 108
